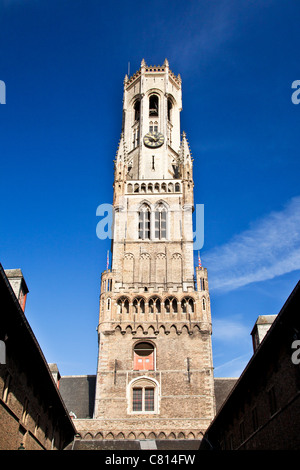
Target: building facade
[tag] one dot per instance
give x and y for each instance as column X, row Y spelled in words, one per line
column 33, row 415
column 262, row 410
column 155, row 371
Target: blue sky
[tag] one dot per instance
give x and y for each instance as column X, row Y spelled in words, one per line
column 63, row 64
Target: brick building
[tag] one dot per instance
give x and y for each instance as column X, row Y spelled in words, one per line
column 155, row 371
column 262, row 411
column 32, row 412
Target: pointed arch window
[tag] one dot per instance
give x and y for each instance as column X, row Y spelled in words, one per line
column 171, row 305
column 153, row 105
column 144, row 222
column 154, row 305
column 123, row 305
column 160, row 222
column 137, row 109
column 169, row 109
column 187, row 305
column 138, row 305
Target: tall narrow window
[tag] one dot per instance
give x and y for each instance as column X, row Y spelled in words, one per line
column 161, row 222
column 137, row 401
column 144, row 223
column 137, row 108
column 153, row 163
column 153, row 105
column 169, row 109
column 149, row 399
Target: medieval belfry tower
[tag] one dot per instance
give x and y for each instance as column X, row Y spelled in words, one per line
column 155, row 372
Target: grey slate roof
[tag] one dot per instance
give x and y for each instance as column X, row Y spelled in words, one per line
column 78, row 393
column 222, row 388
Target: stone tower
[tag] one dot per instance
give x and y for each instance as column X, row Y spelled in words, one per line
column 155, row 372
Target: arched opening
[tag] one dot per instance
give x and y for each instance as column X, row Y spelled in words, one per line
column 153, row 105
column 154, row 305
column 160, row 222
column 137, row 110
column 143, row 356
column 171, row 305
column 187, row 305
column 169, row 110
column 138, row 305
column 144, row 222
column 123, row 305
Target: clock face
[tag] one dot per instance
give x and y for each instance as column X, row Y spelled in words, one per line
column 154, row 139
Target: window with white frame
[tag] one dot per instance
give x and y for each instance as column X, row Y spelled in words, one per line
column 144, row 222
column 160, row 222
column 143, row 396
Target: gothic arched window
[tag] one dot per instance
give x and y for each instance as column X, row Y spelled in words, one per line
column 138, row 305
column 144, row 222
column 171, row 305
column 137, row 108
column 154, row 305
column 169, row 109
column 153, row 105
column 160, row 222
column 187, row 305
column 123, row 305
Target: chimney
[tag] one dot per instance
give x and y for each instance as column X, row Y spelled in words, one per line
column 18, row 285
column 260, row 329
column 55, row 373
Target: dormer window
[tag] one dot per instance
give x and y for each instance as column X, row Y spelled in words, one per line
column 153, row 105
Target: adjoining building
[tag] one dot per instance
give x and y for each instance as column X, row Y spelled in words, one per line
column 32, row 413
column 262, row 411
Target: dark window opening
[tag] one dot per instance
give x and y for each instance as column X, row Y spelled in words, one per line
column 153, row 105
column 137, row 108
column 169, row 109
